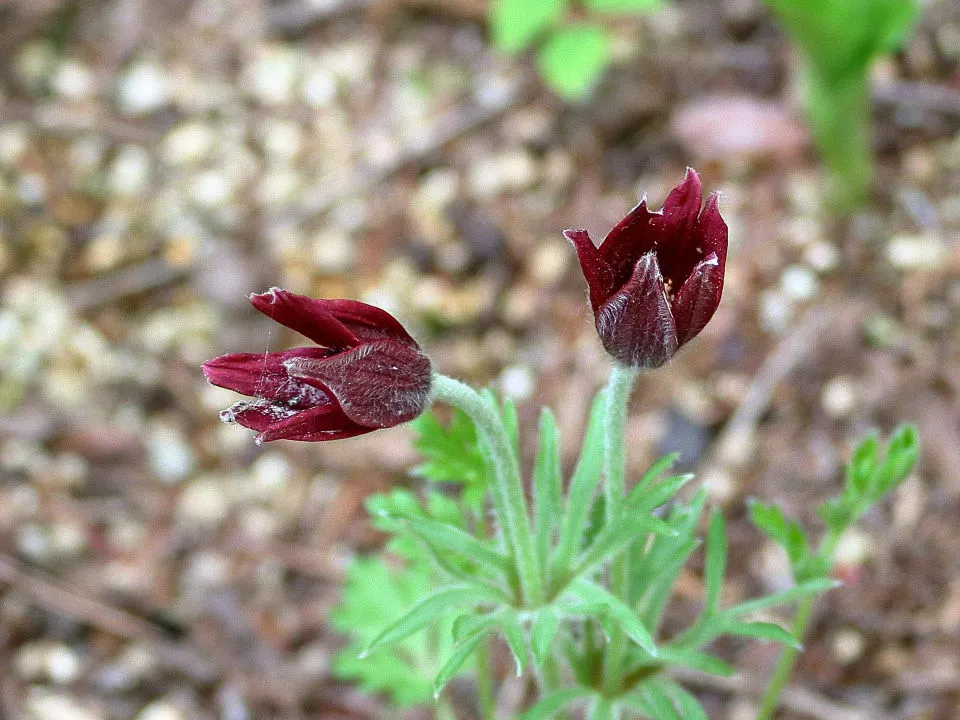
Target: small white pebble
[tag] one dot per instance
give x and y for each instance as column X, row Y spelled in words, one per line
column 202, row 503
column 855, row 548
column 916, row 252
column 143, row 89
column 839, row 397
column 799, row 283
column 517, row 382
column 73, row 80
column 171, row 457
column 776, row 311
column 848, row 645
column 13, row 142
column 211, row 189
column 273, row 74
column 130, row 171
column 63, row 665
column 41, row 704
column 188, row 143
column 333, row 252
column 822, row 256
column 161, row 710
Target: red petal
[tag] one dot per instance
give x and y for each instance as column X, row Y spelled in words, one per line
column 631, row 238
column 311, row 318
column 595, row 269
column 368, row 322
column 314, row 425
column 698, row 299
column 635, row 325
column 379, row 384
column 676, row 250
column 263, row 375
column 710, row 234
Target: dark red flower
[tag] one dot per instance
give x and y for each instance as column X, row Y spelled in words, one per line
column 367, row 374
column 656, row 279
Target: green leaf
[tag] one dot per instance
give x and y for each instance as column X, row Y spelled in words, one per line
column 424, row 612
column 695, row 660
column 768, row 519
column 374, row 595
column 715, row 565
column 456, row 660
column 810, row 587
column 761, row 630
column 542, row 634
column 555, row 701
column 547, row 484
column 618, row 611
column 659, row 701
column 623, row 6
column 573, row 59
column 449, row 538
column 470, row 624
column 644, row 500
column 657, row 570
column 583, row 486
column 655, row 471
column 515, row 23
column 689, row 707
column 900, row 458
column 861, row 467
column 513, row 634
column 797, row 548
column 614, row 538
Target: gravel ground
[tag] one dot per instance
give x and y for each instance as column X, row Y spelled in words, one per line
column 161, row 160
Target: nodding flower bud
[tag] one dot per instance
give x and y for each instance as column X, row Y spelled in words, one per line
column 657, row 277
column 367, row 372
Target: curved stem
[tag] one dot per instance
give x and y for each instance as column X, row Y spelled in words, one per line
column 788, row 658
column 510, row 502
column 614, row 425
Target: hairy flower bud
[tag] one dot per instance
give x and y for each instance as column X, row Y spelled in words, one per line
column 366, row 374
column 657, row 277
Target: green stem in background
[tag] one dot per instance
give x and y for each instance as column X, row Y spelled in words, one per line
column 839, row 113
column 788, row 655
column 615, row 419
column 788, row 658
column 511, row 505
column 485, row 697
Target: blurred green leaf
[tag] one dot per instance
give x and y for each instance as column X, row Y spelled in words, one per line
column 555, row 701
column 455, row 661
column 453, row 454
column 623, row 6
column 515, row 23
column 900, row 459
column 715, row 564
column 573, row 58
column 373, row 596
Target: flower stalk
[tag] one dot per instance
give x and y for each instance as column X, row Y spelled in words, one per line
column 618, row 392
column 510, row 502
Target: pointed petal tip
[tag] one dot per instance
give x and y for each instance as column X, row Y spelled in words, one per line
column 577, row 235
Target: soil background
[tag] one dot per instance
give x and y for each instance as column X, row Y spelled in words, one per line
column 161, row 160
